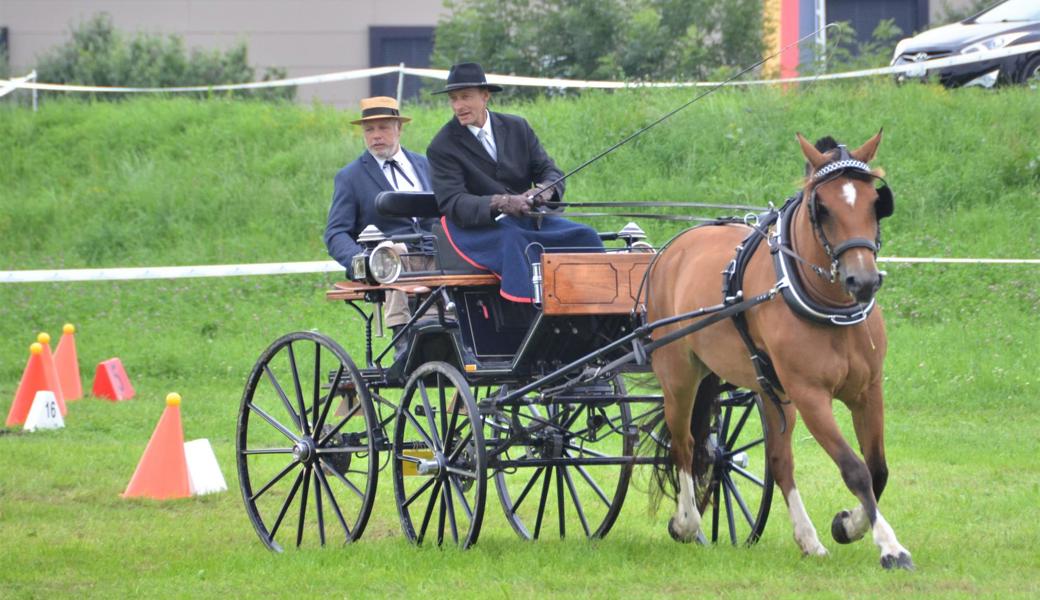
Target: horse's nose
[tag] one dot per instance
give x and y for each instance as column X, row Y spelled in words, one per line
column 862, row 287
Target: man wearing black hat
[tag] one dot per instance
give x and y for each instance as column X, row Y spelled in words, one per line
column 490, row 173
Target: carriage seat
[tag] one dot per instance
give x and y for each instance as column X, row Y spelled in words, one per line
column 423, row 205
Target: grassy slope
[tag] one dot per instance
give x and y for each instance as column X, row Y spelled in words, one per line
column 178, row 182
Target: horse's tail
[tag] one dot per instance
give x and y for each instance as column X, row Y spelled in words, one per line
column 658, row 443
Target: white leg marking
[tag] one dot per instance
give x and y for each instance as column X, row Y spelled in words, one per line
column 885, row 538
column 856, row 524
column 849, row 191
column 804, row 532
column 687, row 520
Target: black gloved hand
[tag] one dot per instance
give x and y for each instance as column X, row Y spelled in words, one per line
column 514, row 205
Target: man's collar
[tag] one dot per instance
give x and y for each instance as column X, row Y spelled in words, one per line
column 398, row 156
column 487, row 125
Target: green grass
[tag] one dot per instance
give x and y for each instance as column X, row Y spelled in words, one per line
column 168, row 182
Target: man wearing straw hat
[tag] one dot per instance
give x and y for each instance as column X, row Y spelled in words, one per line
column 384, row 166
column 491, row 175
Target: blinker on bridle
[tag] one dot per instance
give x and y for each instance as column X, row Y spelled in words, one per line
column 884, row 206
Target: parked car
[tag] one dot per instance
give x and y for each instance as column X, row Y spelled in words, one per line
column 1009, row 23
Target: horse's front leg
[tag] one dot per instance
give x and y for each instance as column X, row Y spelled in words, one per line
column 818, row 417
column 851, row 525
column 781, row 464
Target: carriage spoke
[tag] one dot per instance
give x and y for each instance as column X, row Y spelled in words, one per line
column 342, row 478
column 316, row 394
column 285, row 399
column 317, row 507
column 577, row 502
column 332, row 501
column 320, row 424
column 428, row 409
column 285, row 505
column 588, row 478
column 426, row 437
column 716, row 507
column 462, row 472
column 303, row 505
column 350, row 413
column 541, row 504
column 450, row 429
column 739, row 426
column 446, row 500
column 559, row 502
column 418, row 492
column 440, row 517
column 527, row 488
column 586, row 451
column 462, row 498
column 727, row 412
column 740, row 499
column 748, row 476
column 274, row 422
column 267, row 451
column 429, row 512
column 462, row 444
column 745, row 447
column 729, row 513
column 276, row 479
column 299, row 390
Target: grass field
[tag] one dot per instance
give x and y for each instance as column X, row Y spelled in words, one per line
column 165, row 182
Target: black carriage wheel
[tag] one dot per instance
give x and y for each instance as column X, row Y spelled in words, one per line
column 562, row 491
column 739, row 488
column 439, row 459
column 307, row 444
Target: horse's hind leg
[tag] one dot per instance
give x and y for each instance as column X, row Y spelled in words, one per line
column 679, row 381
column 816, row 412
column 851, row 525
column 781, row 464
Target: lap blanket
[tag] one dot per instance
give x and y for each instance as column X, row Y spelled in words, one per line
column 502, row 247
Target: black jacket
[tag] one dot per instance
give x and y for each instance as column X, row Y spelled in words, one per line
column 465, row 177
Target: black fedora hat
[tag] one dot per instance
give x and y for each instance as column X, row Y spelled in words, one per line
column 467, row 75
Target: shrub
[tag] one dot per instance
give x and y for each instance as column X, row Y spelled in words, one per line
column 99, row 54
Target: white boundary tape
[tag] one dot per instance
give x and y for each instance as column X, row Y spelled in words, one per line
column 917, row 68
column 295, row 268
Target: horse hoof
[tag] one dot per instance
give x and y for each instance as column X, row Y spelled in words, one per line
column 838, row 528
column 698, row 537
column 902, row 561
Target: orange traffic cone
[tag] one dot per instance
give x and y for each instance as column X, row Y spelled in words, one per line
column 34, row 379
column 163, row 470
column 67, row 363
column 53, row 383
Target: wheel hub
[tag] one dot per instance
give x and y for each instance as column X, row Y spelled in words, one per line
column 305, row 451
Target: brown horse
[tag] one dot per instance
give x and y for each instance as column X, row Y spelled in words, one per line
column 816, row 355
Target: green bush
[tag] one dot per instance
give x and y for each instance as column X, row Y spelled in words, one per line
column 99, row 54
column 602, row 39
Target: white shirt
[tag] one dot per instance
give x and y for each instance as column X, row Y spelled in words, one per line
column 487, row 128
column 406, row 166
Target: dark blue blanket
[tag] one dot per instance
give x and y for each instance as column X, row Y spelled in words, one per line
column 507, row 247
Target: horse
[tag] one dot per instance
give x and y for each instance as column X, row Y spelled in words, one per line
column 820, row 328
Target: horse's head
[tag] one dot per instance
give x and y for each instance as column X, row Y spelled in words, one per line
column 845, row 209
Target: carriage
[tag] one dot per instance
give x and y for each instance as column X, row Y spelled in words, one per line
column 548, row 403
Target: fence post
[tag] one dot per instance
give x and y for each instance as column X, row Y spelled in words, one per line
column 400, row 83
column 35, row 92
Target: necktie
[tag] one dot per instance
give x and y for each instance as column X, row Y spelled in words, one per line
column 482, row 135
column 395, row 168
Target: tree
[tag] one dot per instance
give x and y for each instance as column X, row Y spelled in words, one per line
column 602, row 39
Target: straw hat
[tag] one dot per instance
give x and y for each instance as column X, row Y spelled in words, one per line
column 379, row 107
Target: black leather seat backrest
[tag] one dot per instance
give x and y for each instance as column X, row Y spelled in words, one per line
column 421, row 205
column 448, row 259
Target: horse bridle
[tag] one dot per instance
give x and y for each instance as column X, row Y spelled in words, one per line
column 883, row 207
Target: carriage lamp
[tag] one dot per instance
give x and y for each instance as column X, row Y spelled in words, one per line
column 371, row 237
column 635, row 237
column 384, row 264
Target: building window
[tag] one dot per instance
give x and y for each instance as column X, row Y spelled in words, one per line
column 393, row 46
column 910, row 15
column 4, row 54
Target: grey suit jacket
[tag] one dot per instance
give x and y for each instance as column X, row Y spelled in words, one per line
column 465, row 176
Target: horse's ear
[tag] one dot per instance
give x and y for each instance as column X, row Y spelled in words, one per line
column 814, row 156
column 868, row 151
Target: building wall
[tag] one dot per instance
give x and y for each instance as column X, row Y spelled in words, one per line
column 306, row 37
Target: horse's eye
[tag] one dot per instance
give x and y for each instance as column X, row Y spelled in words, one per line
column 821, row 212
